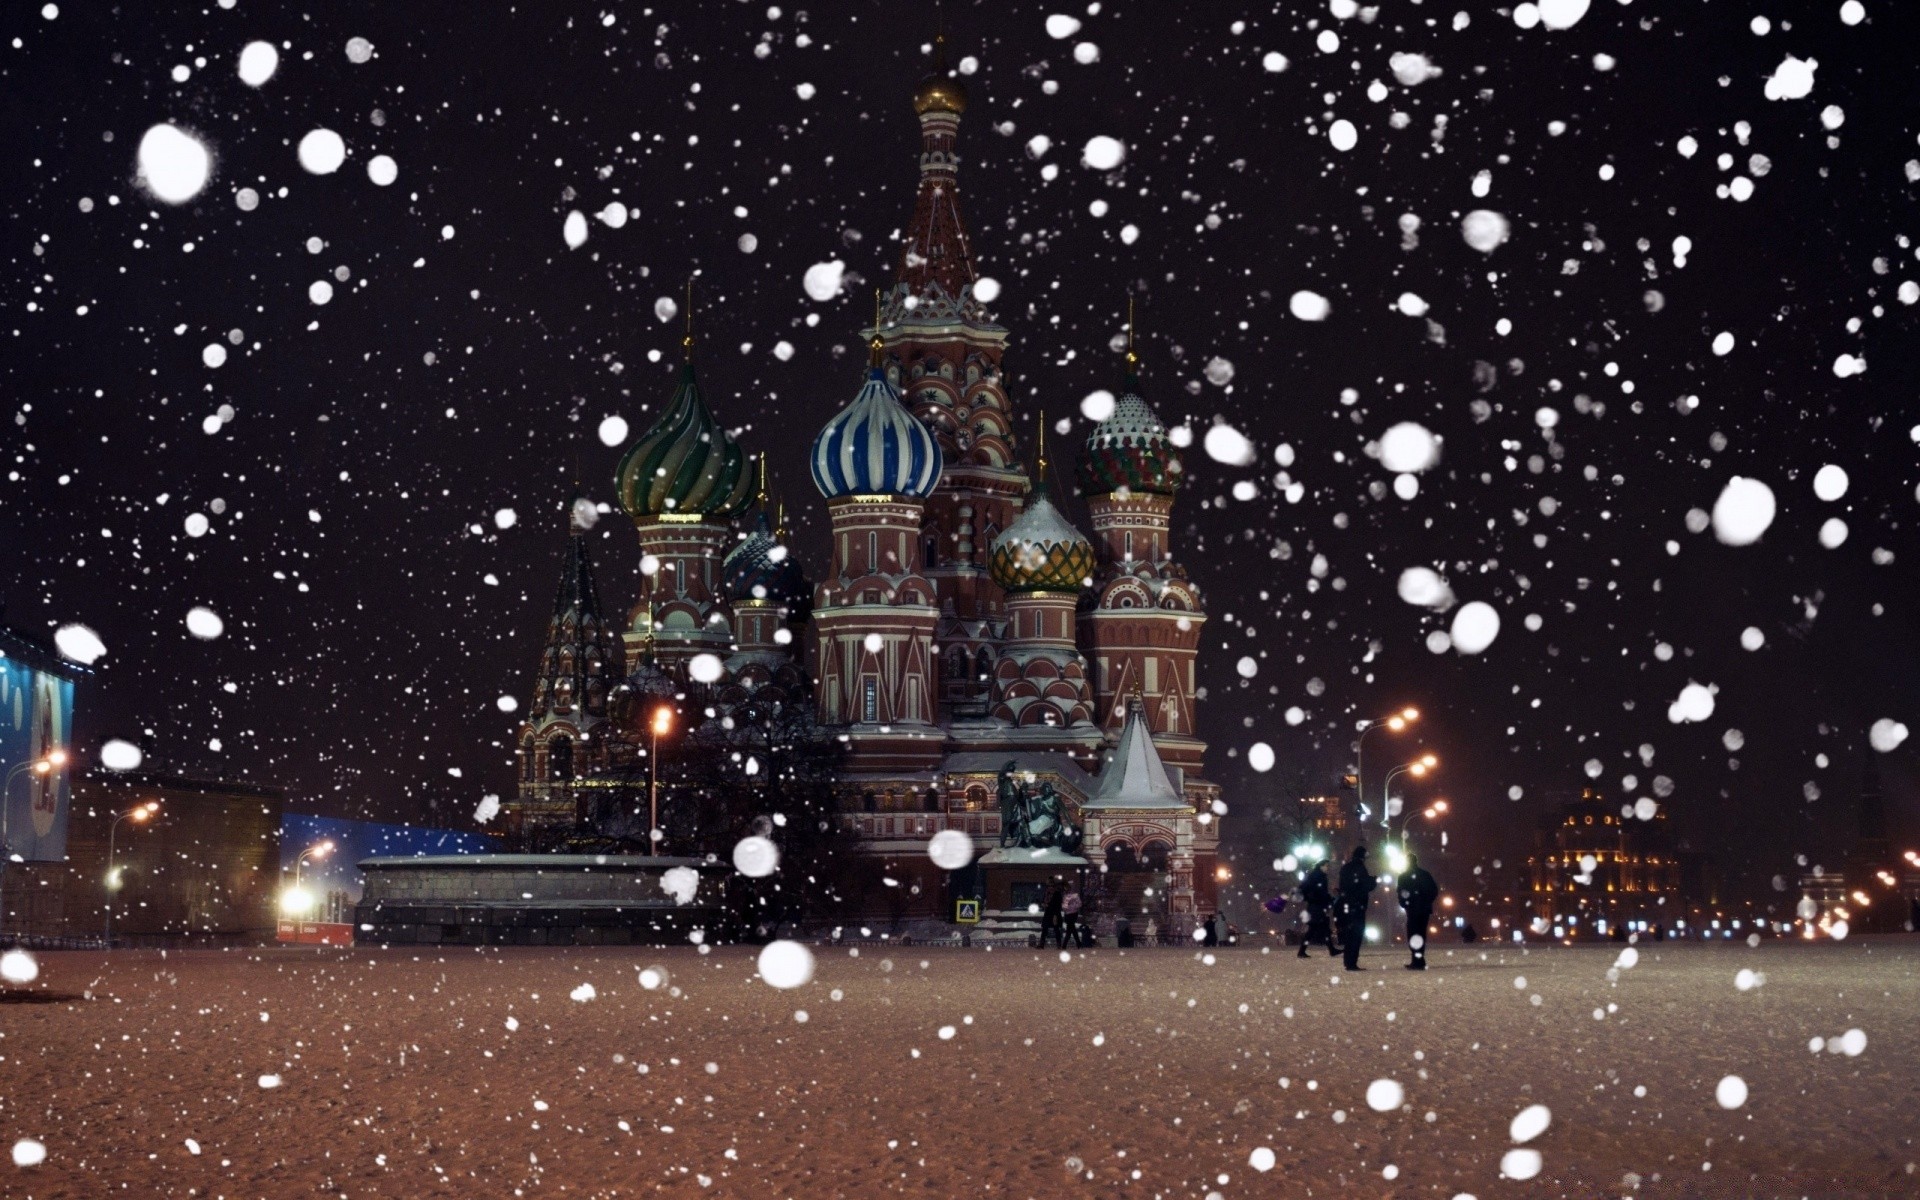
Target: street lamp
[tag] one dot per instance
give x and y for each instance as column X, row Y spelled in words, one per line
column 1394, row 721
column 139, row 814
column 1397, row 855
column 1418, row 767
column 296, row 901
column 44, row 765
column 662, row 723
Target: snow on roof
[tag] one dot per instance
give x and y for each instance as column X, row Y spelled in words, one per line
column 1134, row 776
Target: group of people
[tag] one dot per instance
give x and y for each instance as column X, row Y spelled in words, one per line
column 1340, row 909
column 1061, row 923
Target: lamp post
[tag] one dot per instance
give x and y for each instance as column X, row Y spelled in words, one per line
column 295, row 899
column 1396, row 722
column 1418, row 767
column 662, row 723
column 46, row 764
column 139, row 814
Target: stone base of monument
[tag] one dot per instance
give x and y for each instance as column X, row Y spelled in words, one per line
column 539, row 900
column 1016, row 881
column 1000, row 927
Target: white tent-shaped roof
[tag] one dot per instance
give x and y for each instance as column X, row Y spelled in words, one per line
column 1134, row 776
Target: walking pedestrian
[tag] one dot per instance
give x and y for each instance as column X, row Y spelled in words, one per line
column 1356, row 889
column 1418, row 891
column 1070, row 913
column 1211, row 934
column 1122, row 931
column 1318, row 896
column 1051, row 916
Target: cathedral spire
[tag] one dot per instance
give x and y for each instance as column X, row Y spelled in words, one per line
column 686, row 342
column 936, row 263
column 1133, row 356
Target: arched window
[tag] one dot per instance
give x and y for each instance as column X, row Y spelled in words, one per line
column 560, row 758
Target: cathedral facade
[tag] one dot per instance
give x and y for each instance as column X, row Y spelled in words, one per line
column 964, row 630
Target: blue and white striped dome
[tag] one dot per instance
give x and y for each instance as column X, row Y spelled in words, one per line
column 875, row 447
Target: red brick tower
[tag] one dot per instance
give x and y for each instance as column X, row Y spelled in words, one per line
column 682, row 483
column 943, row 353
column 565, row 736
column 1143, row 628
column 875, row 614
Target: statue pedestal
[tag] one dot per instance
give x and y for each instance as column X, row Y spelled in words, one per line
column 1016, row 882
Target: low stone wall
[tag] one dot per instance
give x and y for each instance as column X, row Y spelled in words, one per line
column 534, row 900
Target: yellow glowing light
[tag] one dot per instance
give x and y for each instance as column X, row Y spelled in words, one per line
column 662, row 720
column 296, row 901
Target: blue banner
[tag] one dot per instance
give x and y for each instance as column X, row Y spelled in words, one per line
column 36, row 719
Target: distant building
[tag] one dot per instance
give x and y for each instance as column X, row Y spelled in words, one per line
column 1327, row 822
column 201, row 870
column 1594, row 868
column 1873, row 890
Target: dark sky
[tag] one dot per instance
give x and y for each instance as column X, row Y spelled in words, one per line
column 375, row 611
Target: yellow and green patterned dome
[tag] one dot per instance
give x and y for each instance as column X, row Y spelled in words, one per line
column 1041, row 551
column 687, row 465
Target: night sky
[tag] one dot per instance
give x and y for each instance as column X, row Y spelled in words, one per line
column 375, row 610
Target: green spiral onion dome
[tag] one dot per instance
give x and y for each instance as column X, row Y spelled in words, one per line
column 1129, row 450
column 1041, row 551
column 686, row 465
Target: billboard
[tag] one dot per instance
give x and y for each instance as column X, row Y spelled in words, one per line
column 36, row 718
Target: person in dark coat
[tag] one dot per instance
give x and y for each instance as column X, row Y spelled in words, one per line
column 1052, row 919
column 1211, row 934
column 1418, row 891
column 1318, row 896
column 1356, row 889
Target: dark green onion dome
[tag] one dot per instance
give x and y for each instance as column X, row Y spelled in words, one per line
column 686, row 465
column 1041, row 551
column 761, row 568
column 1129, row 450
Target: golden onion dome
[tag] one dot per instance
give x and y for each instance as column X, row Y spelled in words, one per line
column 940, row 92
column 1041, row 551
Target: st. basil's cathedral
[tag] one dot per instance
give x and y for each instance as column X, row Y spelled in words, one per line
column 965, row 632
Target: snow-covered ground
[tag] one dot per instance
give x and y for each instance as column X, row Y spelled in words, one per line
column 952, row 1073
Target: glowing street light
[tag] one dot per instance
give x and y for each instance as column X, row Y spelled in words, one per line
column 43, row 766
column 662, row 723
column 296, row 899
column 139, row 814
column 1393, row 721
column 1417, row 768
column 315, row 852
